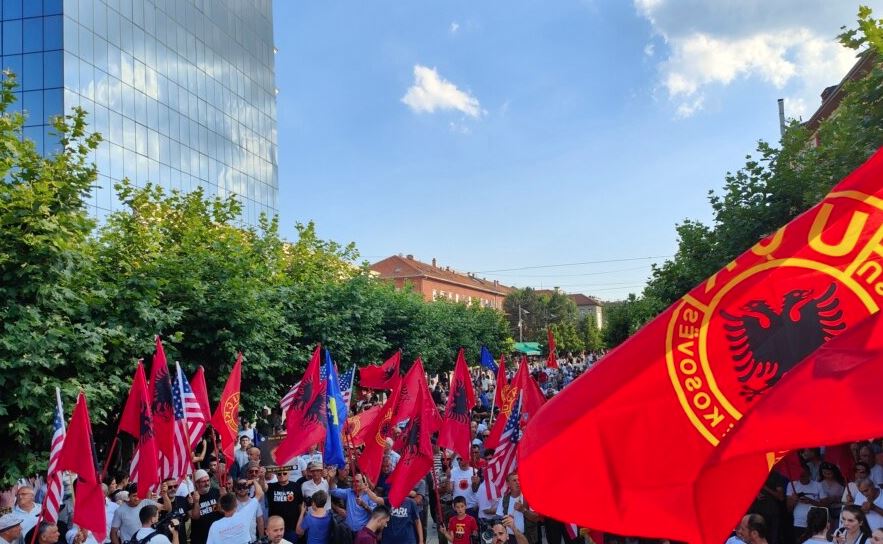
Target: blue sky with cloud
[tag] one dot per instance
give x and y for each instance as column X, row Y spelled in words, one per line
column 508, row 134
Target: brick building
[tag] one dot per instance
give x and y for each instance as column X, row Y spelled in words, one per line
column 833, row 95
column 435, row 282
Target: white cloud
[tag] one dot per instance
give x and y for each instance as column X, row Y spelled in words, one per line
column 431, row 92
column 650, row 50
column 455, row 26
column 787, row 44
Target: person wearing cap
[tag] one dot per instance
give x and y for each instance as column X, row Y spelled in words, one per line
column 315, row 483
column 10, row 528
column 126, row 520
column 204, row 507
column 26, row 508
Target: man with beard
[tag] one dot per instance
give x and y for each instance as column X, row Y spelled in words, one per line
column 284, row 499
column 205, row 508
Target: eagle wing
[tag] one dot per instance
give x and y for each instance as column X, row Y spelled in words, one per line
column 820, row 318
column 753, row 345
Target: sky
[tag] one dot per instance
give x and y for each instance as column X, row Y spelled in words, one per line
column 547, row 144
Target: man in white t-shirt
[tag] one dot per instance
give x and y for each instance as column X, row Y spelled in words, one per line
column 803, row 495
column 230, row 529
column 870, row 501
column 465, row 482
column 250, row 508
column 866, row 455
column 317, row 482
column 149, row 515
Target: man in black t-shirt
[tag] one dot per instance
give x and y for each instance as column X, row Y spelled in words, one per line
column 284, row 498
column 205, row 508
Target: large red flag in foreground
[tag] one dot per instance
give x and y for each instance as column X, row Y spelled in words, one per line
column 385, row 376
column 682, row 384
column 306, row 419
column 226, row 417
column 77, row 456
column 849, row 368
column 416, row 460
column 137, row 421
column 455, row 433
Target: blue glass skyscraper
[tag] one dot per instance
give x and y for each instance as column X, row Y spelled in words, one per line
column 183, row 91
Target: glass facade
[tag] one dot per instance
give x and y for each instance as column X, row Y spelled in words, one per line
column 183, row 91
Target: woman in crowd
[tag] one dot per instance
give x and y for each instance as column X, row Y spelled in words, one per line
column 854, row 528
column 877, row 536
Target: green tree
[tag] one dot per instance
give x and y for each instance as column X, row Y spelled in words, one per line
column 48, row 337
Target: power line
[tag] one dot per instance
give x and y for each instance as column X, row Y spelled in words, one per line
column 644, row 267
column 571, row 264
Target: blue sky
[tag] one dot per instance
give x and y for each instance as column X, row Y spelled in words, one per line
column 501, row 135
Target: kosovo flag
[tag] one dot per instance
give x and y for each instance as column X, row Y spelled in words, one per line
column 337, row 412
column 487, row 360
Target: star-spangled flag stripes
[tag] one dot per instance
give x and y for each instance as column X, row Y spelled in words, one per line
column 187, row 412
column 505, row 459
column 55, row 477
column 346, row 384
column 286, row 401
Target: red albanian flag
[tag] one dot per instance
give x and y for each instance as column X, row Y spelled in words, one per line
column 226, row 417
column 137, row 421
column 160, row 392
column 416, row 450
column 413, row 383
column 77, row 456
column 385, row 376
column 455, row 433
column 849, row 368
column 682, row 383
column 305, row 421
column 552, row 359
column 381, row 428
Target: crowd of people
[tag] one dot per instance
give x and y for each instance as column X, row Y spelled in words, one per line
column 246, row 499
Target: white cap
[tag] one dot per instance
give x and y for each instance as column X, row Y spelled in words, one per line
column 199, row 475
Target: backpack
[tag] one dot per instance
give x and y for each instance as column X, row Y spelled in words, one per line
column 145, row 540
column 531, row 529
column 339, row 532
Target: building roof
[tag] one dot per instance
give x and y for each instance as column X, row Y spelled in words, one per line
column 578, row 298
column 582, row 300
column 831, row 96
column 409, row 267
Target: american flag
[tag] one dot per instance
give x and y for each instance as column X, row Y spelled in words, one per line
column 504, row 461
column 346, row 384
column 286, row 401
column 188, row 419
column 55, row 477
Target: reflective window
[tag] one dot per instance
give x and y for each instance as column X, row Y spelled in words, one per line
column 32, row 35
column 12, row 37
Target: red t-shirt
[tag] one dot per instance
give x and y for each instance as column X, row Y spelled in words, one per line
column 462, row 529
